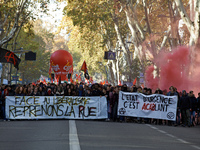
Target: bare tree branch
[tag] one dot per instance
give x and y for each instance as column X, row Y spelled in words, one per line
column 184, row 14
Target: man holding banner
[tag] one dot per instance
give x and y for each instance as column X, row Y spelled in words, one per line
column 147, row 106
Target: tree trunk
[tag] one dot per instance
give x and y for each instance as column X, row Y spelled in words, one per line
column 193, row 28
column 3, row 72
column 121, row 43
column 136, row 32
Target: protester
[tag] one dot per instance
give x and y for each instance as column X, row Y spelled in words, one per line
column 185, row 108
column 49, row 92
column 115, row 103
column 35, row 92
column 19, row 91
column 187, row 105
column 41, row 91
column 96, row 91
column 198, row 109
column 81, row 91
column 172, row 92
column 193, row 108
column 60, row 91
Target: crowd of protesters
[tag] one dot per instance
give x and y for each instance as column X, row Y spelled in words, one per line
column 188, row 107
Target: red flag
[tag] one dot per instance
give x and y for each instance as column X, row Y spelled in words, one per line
column 91, row 80
column 79, row 78
column 106, row 81
column 45, row 82
column 51, row 80
column 56, row 80
column 84, row 67
column 134, row 82
column 120, row 84
column 101, row 83
column 87, row 81
column 142, row 85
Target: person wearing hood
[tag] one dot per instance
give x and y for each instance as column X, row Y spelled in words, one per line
column 185, row 108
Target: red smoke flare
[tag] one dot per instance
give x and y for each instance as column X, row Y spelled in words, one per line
column 175, row 68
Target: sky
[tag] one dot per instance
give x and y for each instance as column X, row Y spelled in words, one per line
column 55, row 16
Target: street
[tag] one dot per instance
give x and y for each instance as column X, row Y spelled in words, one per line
column 95, row 135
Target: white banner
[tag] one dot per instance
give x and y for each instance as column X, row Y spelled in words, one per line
column 147, row 106
column 52, row 107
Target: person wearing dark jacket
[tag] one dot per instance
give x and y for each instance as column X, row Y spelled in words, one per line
column 35, row 92
column 172, row 92
column 81, row 90
column 41, row 91
column 185, row 108
column 193, row 108
column 96, row 91
column 198, row 108
column 115, row 103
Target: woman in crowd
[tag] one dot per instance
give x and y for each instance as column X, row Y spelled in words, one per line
column 20, row 91
column 35, row 92
column 60, row 91
column 41, row 91
column 29, row 91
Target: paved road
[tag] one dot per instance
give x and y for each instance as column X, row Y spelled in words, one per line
column 95, row 135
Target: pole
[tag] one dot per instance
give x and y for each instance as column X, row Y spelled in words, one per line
column 106, row 72
column 16, row 76
column 10, row 72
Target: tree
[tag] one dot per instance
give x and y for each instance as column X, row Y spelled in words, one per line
column 193, row 26
column 150, row 27
column 102, row 21
column 13, row 16
column 31, row 70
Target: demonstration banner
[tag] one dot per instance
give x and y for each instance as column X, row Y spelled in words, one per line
column 147, row 106
column 55, row 107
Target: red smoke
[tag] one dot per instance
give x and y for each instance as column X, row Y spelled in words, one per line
column 174, row 71
column 150, row 81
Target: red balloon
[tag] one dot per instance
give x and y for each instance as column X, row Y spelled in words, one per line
column 61, row 62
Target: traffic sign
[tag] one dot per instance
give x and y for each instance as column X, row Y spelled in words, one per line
column 30, row 56
column 110, row 55
column 15, row 78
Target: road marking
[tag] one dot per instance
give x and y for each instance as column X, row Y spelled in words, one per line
column 170, row 135
column 152, row 126
column 180, row 140
column 197, row 147
column 183, row 141
column 162, row 131
column 73, row 137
